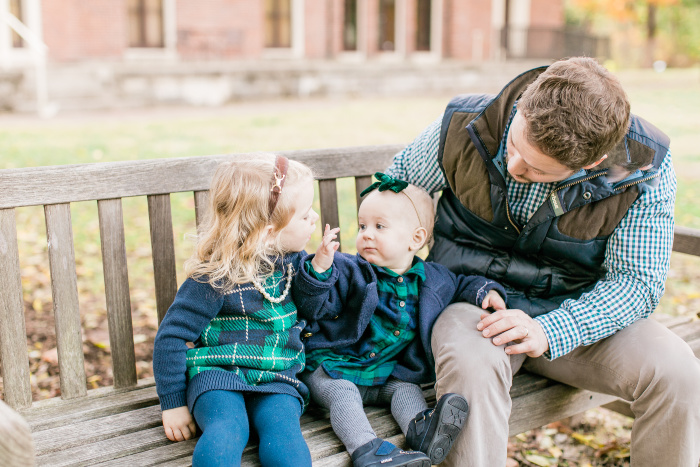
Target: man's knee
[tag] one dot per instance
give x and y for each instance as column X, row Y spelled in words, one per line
column 461, row 353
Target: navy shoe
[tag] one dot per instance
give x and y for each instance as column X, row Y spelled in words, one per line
column 382, row 453
column 435, row 431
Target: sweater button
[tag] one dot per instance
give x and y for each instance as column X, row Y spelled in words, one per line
column 396, row 333
column 308, row 334
column 400, row 280
column 587, row 195
column 372, row 355
column 402, row 304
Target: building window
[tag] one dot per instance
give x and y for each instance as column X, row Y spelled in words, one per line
column 16, row 10
column 387, row 22
column 423, row 25
column 145, row 23
column 350, row 25
column 278, row 21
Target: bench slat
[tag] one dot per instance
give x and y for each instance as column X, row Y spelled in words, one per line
column 97, row 404
column 163, row 248
column 106, row 180
column 13, row 341
column 105, row 450
column 686, row 240
column 201, row 200
column 360, row 184
column 121, row 332
column 99, row 429
column 64, row 289
column 329, row 204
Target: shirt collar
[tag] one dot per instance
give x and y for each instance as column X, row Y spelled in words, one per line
column 417, row 270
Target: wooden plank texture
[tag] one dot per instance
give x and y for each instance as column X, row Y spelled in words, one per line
column 64, row 289
column 121, row 334
column 96, row 430
column 53, row 413
column 163, row 252
column 360, row 184
column 106, row 180
column 686, row 240
column 13, row 344
column 201, row 200
column 329, row 205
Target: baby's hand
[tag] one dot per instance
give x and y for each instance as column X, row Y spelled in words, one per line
column 324, row 255
column 493, row 300
column 178, row 424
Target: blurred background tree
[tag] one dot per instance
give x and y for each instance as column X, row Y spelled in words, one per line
column 642, row 31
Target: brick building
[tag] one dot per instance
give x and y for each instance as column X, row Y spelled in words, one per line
column 132, row 37
column 122, row 30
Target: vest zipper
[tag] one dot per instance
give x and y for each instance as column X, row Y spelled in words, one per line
column 509, row 218
column 646, row 179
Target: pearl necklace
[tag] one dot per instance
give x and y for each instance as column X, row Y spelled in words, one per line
column 268, row 297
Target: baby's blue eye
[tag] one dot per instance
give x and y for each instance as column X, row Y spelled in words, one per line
column 363, row 226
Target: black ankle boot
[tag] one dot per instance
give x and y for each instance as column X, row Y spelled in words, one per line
column 434, row 431
column 380, row 453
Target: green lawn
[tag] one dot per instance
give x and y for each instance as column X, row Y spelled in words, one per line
column 670, row 100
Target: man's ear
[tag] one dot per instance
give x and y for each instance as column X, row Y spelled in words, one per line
column 590, row 166
column 420, row 235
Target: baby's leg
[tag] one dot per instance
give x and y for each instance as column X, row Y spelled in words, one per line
column 222, row 417
column 406, row 401
column 343, row 400
column 275, row 417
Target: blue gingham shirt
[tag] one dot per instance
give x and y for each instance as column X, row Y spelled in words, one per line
column 637, row 255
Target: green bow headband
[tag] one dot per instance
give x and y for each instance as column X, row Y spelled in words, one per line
column 385, row 183
column 390, row 183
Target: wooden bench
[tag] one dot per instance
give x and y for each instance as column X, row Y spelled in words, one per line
column 121, row 425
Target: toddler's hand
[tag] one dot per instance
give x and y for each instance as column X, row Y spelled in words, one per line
column 493, row 300
column 178, row 424
column 324, row 255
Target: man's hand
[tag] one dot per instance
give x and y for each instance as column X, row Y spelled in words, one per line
column 514, row 326
column 323, row 260
column 178, row 424
column 493, row 300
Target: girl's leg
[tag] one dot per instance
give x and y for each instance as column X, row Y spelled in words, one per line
column 275, row 417
column 222, row 417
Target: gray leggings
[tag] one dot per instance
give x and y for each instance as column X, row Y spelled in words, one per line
column 345, row 399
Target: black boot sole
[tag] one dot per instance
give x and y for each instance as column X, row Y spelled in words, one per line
column 452, row 412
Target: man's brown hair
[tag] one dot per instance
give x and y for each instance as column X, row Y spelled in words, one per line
column 575, row 111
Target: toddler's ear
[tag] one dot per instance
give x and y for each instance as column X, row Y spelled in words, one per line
column 420, row 235
column 267, row 234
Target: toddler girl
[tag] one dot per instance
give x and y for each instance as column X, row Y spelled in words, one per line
column 237, row 308
column 370, row 318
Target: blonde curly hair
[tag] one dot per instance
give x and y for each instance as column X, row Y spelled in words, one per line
column 234, row 245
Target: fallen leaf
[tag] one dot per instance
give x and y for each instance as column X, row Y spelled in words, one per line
column 539, row 460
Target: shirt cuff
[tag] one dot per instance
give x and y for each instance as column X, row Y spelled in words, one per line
column 321, row 276
column 174, row 400
column 562, row 333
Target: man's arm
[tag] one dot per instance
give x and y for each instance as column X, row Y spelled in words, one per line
column 637, row 258
column 418, row 164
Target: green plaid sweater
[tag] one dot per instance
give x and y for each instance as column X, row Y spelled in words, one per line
column 243, row 342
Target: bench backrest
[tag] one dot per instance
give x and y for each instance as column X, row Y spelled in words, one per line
column 56, row 187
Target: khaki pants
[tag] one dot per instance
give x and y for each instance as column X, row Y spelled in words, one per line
column 645, row 364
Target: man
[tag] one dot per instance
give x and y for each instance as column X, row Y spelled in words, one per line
column 553, row 189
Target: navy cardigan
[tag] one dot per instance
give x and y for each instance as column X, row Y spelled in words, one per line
column 339, row 309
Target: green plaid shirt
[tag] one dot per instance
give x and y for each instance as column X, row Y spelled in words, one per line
column 255, row 361
column 392, row 327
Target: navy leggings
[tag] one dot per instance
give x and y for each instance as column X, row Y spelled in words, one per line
column 226, row 417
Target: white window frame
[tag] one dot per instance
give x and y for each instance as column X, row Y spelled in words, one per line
column 436, row 28
column 169, row 49
column 298, row 47
column 20, row 56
